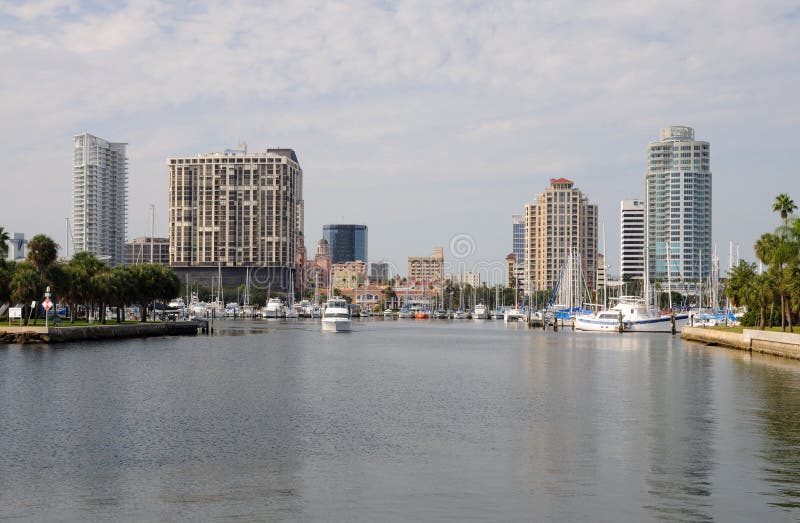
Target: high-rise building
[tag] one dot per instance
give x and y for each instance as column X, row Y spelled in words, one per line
column 678, row 208
column 465, row 278
column 236, row 212
column 631, row 239
column 427, row 268
column 347, row 242
column 559, row 225
column 145, row 249
column 99, row 197
column 16, row 246
column 518, row 248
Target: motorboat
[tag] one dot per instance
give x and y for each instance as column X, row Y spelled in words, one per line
column 441, row 314
column 292, row 314
column 274, row 309
column 513, row 314
column 636, row 315
column 336, row 316
column 498, row 314
column 459, row 315
column 480, row 312
column 388, row 313
column 405, row 313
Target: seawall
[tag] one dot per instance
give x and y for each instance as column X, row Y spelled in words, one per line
column 783, row 344
column 97, row 332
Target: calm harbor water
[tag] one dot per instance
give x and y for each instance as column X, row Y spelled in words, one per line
column 398, row 420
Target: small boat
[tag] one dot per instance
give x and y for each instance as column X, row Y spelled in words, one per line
column 480, row 312
column 292, row 313
column 498, row 314
column 388, row 313
column 274, row 309
column 405, row 313
column 513, row 314
column 441, row 314
column 459, row 315
column 336, row 316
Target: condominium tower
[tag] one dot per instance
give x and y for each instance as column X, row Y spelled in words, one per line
column 236, row 211
column 678, row 208
column 559, row 223
column 518, row 248
column 631, row 239
column 99, row 197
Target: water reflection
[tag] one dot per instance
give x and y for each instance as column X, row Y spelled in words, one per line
column 681, row 432
column 776, row 385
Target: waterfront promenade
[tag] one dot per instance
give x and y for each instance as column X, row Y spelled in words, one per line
column 784, row 344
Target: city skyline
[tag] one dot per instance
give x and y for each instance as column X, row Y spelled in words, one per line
column 455, row 127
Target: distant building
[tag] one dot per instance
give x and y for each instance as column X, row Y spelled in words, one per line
column 427, row 268
column 348, row 275
column 379, row 271
column 678, row 208
column 236, row 213
column 143, row 250
column 511, row 264
column 348, row 242
column 518, row 248
column 631, row 238
column 99, row 197
column 559, row 223
column 16, row 246
column 601, row 270
column 465, row 278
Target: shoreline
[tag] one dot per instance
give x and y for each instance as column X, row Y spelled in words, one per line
column 783, row 344
column 40, row 334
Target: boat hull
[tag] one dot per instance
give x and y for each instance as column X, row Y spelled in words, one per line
column 337, row 325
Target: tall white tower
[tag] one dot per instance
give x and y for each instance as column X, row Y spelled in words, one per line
column 678, row 209
column 631, row 239
column 99, row 197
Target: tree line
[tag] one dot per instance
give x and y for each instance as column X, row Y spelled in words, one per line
column 771, row 295
column 83, row 282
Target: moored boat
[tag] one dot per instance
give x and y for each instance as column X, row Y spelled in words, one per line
column 336, row 316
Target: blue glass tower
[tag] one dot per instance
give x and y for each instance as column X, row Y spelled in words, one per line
column 347, row 242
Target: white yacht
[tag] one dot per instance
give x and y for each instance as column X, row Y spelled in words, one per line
column 480, row 312
column 336, row 316
column 513, row 314
column 637, row 316
column 388, row 313
column 274, row 309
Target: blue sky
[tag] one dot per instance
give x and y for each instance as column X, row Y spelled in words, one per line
column 423, row 120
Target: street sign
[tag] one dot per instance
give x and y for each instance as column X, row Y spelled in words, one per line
column 47, row 304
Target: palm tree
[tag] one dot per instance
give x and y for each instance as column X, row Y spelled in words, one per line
column 776, row 250
column 784, row 205
column 26, row 285
column 4, row 237
column 42, row 252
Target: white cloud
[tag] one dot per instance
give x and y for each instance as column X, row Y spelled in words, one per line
column 414, row 99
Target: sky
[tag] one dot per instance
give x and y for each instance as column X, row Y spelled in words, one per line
column 432, row 122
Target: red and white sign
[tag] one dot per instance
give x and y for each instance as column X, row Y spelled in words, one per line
column 47, row 304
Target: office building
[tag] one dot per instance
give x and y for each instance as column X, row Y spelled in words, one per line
column 427, row 268
column 347, row 242
column 678, row 209
column 631, row 239
column 146, row 250
column 99, row 197
column 560, row 225
column 236, row 212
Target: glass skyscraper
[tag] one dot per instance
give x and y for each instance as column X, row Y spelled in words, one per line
column 678, row 209
column 347, row 242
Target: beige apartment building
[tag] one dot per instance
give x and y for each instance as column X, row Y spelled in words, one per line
column 559, row 222
column 234, row 212
column 427, row 268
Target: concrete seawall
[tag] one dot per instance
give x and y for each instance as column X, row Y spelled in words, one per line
column 96, row 332
column 783, row 344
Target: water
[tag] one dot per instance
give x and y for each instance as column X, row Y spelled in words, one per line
column 398, row 420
